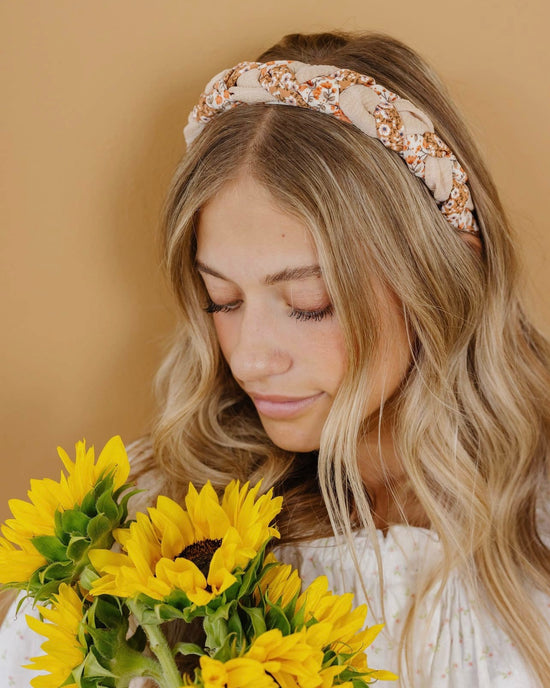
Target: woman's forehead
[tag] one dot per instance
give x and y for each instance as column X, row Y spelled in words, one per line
column 244, row 215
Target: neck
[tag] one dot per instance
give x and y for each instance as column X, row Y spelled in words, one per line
column 392, row 499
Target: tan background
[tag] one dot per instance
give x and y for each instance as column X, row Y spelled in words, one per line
column 94, row 97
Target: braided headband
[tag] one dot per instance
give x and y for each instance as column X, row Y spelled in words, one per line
column 354, row 98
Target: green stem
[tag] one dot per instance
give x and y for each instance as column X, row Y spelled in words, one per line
column 171, row 677
column 157, row 642
column 129, row 664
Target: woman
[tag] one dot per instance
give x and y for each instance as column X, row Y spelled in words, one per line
column 351, row 332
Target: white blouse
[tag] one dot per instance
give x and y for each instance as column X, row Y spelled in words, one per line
column 463, row 648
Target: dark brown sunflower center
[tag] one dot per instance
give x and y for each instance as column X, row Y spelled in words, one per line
column 201, row 553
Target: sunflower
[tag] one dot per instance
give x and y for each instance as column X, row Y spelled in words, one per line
column 30, row 536
column 340, row 630
column 63, row 651
column 292, row 660
column 196, row 550
column 320, row 603
column 280, row 584
column 272, row 660
column 346, row 636
column 239, row 672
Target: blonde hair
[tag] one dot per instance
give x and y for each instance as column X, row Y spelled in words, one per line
column 472, row 417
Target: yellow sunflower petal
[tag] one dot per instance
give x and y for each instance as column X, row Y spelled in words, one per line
column 174, row 524
column 180, row 573
column 62, row 649
column 382, row 675
column 207, row 515
column 234, row 497
column 80, row 477
column 27, row 519
column 36, row 517
column 288, row 657
column 17, row 566
column 368, row 636
column 107, row 560
column 329, row 674
column 157, row 546
column 143, row 546
column 113, row 456
column 280, row 584
column 238, row 672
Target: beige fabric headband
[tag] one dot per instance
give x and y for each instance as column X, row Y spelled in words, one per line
column 354, row 98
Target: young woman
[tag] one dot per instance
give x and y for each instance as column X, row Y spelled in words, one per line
column 352, row 333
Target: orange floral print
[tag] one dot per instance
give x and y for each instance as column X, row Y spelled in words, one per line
column 280, row 82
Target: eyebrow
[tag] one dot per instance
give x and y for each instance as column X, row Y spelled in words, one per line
column 285, row 275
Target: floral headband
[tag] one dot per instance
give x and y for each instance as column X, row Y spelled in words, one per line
column 354, row 98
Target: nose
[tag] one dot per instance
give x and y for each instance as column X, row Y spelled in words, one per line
column 259, row 350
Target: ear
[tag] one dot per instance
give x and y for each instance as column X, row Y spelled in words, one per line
column 473, row 240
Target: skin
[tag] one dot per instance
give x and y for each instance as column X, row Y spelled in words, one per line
column 242, row 238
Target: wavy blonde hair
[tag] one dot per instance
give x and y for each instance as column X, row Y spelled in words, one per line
column 472, row 417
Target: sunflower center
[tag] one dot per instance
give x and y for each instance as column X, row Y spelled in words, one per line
column 201, row 553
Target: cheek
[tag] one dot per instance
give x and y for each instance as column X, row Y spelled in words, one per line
column 395, row 356
column 331, row 357
column 224, row 335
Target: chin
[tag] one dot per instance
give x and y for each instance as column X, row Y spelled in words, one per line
column 291, row 439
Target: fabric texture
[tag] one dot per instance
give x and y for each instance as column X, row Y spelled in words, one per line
column 354, row 98
column 463, row 647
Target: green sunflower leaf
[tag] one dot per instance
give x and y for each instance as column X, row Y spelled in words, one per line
column 104, row 484
column 50, row 547
column 88, row 504
column 297, row 620
column 250, row 577
column 257, row 619
column 123, row 502
column 73, row 521
column 177, row 599
column 138, row 641
column 77, row 547
column 276, row 618
column 94, row 669
column 87, row 577
column 45, row 592
column 105, row 641
column 188, row 649
column 234, row 625
column 166, row 612
column 109, row 612
column 225, row 650
column 58, row 523
column 98, row 527
column 216, row 633
column 57, row 571
column 106, row 505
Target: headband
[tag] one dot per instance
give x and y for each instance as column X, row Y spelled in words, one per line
column 351, row 97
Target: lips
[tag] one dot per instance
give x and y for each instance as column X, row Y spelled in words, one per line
column 278, row 406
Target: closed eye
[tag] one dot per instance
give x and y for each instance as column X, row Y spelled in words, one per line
column 312, row 315
column 299, row 314
column 221, row 307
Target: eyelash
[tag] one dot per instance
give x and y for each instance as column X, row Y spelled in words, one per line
column 294, row 313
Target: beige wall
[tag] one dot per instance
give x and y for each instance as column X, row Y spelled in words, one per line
column 94, row 97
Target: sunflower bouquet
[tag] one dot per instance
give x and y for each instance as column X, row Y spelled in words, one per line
column 108, row 587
